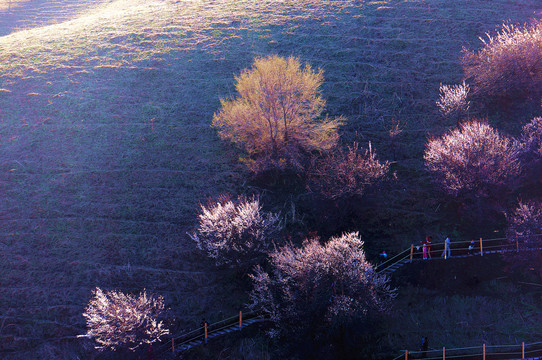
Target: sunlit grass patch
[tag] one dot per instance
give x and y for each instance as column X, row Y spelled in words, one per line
column 125, row 31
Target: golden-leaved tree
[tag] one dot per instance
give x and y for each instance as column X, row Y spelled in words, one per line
column 276, row 117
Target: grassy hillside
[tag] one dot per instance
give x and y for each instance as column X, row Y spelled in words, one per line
column 106, row 150
column 17, row 15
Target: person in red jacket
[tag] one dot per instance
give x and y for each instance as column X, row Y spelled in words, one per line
column 424, row 247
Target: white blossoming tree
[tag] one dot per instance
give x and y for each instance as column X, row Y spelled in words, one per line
column 235, row 233
column 508, row 63
column 472, row 160
column 118, row 321
column 525, row 232
column 531, row 150
column 313, row 291
column 347, row 173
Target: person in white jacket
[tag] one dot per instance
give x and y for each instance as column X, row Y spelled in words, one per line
column 447, row 248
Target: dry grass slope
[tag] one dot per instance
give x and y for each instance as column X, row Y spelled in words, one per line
column 106, row 147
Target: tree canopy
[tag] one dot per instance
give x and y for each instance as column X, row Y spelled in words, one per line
column 275, row 118
column 319, row 287
column 472, row 159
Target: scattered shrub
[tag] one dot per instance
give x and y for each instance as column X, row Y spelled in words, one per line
column 116, row 320
column 525, row 224
column 531, row 140
column 235, row 232
column 453, row 100
column 346, row 173
column 525, row 228
column 472, row 159
column 531, row 151
column 393, row 134
column 316, row 289
column 509, row 64
column 275, row 118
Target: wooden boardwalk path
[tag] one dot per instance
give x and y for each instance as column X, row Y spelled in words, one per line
column 184, row 342
column 397, row 265
column 200, row 341
column 480, row 248
column 178, row 344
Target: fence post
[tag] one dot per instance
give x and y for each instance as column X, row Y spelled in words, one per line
column 481, row 248
column 240, row 320
column 444, row 353
column 484, row 352
column 205, row 325
column 523, row 349
column 411, row 251
column 445, row 249
column 406, row 354
column 172, row 344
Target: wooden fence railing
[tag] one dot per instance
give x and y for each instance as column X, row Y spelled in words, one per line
column 176, row 342
column 415, row 252
column 459, row 249
column 483, row 352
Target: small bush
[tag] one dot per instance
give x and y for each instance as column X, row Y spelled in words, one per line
column 472, row 159
column 531, row 140
column 525, row 224
column 453, row 100
column 235, row 232
column 346, row 173
column 525, row 230
column 276, row 118
column 116, row 320
column 509, row 64
column 531, row 151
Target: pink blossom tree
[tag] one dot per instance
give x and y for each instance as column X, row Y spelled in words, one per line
column 346, row 173
column 116, row 320
column 235, row 232
column 472, row 160
column 525, row 231
column 321, row 287
column 531, row 150
column 508, row 64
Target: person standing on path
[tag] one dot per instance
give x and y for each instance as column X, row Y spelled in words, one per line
column 424, row 346
column 428, row 240
column 471, row 247
column 382, row 257
column 424, row 247
column 447, row 251
column 204, row 325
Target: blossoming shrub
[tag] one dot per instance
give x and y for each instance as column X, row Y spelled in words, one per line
column 116, row 320
column 473, row 159
column 235, row 232
column 313, row 290
column 509, row 64
column 346, row 173
column 453, row 100
column 525, row 232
